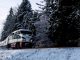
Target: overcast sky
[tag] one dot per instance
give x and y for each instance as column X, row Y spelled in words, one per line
column 5, row 5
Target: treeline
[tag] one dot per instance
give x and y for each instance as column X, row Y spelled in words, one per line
column 22, row 19
column 64, row 22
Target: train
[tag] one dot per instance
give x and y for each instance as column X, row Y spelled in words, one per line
column 21, row 38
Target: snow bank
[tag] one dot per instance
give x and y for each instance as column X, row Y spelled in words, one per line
column 41, row 54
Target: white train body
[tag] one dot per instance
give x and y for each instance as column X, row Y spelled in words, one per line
column 18, row 39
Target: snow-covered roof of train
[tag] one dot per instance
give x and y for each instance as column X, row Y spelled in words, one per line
column 21, row 30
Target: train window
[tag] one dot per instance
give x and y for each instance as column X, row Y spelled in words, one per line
column 26, row 32
column 15, row 36
column 18, row 32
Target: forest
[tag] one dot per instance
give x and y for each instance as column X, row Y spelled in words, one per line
column 57, row 25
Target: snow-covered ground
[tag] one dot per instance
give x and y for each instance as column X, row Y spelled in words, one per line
column 41, row 54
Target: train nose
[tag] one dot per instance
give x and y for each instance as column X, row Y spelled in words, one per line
column 24, row 39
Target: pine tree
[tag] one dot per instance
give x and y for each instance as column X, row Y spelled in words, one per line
column 24, row 15
column 35, row 16
column 63, row 22
column 21, row 20
column 8, row 25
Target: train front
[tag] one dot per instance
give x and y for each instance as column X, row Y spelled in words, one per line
column 20, row 39
column 26, row 37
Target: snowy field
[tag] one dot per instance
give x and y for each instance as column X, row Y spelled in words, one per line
column 41, row 54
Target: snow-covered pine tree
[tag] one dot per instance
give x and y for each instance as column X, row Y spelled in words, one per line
column 52, row 9
column 21, row 20
column 24, row 15
column 8, row 26
column 35, row 16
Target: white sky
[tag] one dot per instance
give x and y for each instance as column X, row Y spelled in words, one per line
column 5, row 5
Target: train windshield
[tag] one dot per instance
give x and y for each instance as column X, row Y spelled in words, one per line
column 26, row 32
column 15, row 36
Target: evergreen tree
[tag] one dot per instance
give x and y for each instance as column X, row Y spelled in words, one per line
column 63, row 22
column 24, row 15
column 35, row 16
column 8, row 26
column 22, row 19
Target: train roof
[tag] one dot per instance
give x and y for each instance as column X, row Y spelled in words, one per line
column 22, row 30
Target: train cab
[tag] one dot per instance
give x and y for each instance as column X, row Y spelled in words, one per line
column 21, row 38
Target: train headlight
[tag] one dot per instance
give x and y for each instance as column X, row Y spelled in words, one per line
column 31, row 40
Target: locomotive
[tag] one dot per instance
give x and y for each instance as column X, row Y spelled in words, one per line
column 21, row 38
